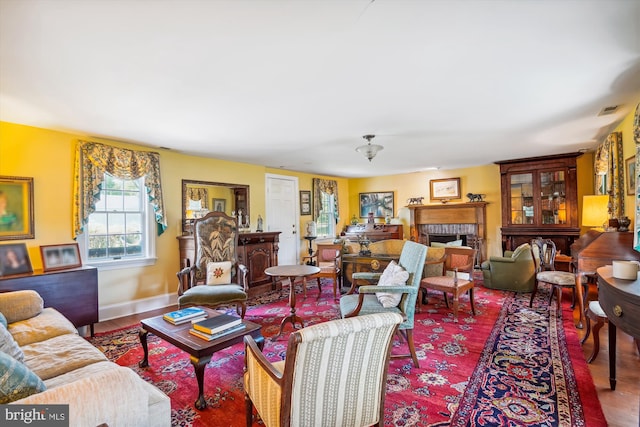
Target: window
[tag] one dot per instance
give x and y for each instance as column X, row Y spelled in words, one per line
column 326, row 221
column 120, row 232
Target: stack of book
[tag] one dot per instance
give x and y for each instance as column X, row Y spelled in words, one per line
column 185, row 315
column 216, row 327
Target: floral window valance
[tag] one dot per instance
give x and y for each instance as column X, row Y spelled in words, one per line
column 328, row 186
column 94, row 159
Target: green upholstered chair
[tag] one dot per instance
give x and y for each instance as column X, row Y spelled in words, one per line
column 346, row 389
column 515, row 271
column 412, row 259
column 215, row 278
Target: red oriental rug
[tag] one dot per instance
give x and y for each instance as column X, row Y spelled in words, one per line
column 454, row 357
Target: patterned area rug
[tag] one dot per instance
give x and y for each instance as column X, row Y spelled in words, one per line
column 427, row 396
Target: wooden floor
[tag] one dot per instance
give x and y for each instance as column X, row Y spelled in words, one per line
column 621, row 407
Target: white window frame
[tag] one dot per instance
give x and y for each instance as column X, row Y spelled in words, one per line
column 331, row 224
column 149, row 236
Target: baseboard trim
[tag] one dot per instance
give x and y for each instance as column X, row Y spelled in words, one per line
column 114, row 311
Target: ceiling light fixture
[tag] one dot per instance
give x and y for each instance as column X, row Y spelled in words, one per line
column 369, row 150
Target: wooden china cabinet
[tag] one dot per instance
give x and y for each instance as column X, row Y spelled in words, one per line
column 540, row 198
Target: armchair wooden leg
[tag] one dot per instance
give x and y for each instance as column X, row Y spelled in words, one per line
column 533, row 293
column 596, row 339
column 455, row 307
column 588, row 327
column 412, row 347
column 473, row 305
column 319, row 287
column 241, row 308
column 248, row 410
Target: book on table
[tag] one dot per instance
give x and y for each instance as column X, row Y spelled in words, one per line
column 184, row 315
column 217, row 323
column 211, row 337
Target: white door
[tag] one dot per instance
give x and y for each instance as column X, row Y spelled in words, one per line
column 282, row 215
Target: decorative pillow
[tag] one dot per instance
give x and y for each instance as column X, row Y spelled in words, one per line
column 9, row 345
column 444, row 245
column 3, row 320
column 392, row 275
column 219, row 273
column 18, row 380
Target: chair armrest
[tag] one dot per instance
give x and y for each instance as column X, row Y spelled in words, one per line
column 396, row 289
column 365, row 276
column 252, row 352
column 243, row 272
column 501, row 259
column 185, row 279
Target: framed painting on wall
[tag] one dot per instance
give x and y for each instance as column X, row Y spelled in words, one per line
column 219, row 205
column 445, row 189
column 305, row 202
column 631, row 175
column 380, row 204
column 16, row 208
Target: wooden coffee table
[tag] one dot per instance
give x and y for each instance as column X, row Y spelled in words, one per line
column 200, row 350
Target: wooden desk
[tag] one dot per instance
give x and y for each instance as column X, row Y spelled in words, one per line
column 620, row 300
column 596, row 249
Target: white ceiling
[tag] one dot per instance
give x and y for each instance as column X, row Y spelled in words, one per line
column 296, row 84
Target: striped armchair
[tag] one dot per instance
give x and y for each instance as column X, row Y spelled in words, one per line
column 330, row 375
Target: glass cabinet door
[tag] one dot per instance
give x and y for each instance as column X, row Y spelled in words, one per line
column 522, row 211
column 553, row 204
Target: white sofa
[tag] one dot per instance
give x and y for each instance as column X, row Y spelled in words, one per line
column 73, row 371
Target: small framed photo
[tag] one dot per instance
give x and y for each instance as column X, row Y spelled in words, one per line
column 14, row 259
column 305, row 202
column 60, row 257
column 219, row 205
column 380, row 204
column 16, row 208
column 631, row 175
column 445, row 189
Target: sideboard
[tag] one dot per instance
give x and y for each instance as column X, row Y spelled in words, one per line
column 74, row 292
column 257, row 251
column 374, row 232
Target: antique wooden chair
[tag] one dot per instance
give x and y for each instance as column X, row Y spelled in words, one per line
column 215, row 278
column 459, row 261
column 299, row 391
column 328, row 258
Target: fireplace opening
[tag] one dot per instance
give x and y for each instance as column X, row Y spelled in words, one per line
column 445, row 238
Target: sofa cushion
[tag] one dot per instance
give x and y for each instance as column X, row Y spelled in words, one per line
column 50, row 323
column 392, row 275
column 20, row 305
column 17, row 380
column 59, row 355
column 9, row 346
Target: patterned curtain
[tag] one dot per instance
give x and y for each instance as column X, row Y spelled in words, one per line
column 328, row 186
column 94, row 159
column 609, row 169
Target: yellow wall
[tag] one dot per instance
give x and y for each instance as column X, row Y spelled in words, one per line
column 480, row 179
column 47, row 156
column 629, row 150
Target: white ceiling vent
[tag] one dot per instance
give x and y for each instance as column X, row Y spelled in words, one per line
column 608, row 110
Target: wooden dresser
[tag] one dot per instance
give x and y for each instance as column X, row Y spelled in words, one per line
column 374, row 232
column 257, row 251
column 73, row 292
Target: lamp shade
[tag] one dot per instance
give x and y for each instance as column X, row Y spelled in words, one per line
column 595, row 211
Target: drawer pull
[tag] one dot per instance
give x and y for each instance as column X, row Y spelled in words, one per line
column 617, row 310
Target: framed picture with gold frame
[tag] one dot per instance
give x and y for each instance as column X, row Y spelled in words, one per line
column 444, row 189
column 630, row 169
column 16, row 208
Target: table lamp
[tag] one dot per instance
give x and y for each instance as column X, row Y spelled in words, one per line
column 595, row 211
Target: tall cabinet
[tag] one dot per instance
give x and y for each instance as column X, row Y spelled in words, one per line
column 540, row 199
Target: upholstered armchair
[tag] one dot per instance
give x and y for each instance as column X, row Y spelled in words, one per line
column 515, row 271
column 215, row 278
column 412, row 260
column 299, row 391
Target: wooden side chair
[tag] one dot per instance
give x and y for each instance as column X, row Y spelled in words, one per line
column 299, row 391
column 458, row 260
column 328, row 258
column 594, row 313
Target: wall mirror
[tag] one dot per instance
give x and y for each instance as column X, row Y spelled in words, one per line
column 201, row 197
